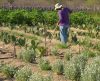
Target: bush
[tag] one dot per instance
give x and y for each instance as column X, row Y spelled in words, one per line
column 80, row 18
column 75, row 67
column 50, row 17
column 58, row 67
column 44, row 64
column 92, row 71
column 68, row 56
column 62, row 46
column 23, row 74
column 27, row 55
column 89, row 53
column 9, row 71
column 47, row 78
column 54, row 51
column 36, row 77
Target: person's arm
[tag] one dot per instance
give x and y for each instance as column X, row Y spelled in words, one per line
column 60, row 18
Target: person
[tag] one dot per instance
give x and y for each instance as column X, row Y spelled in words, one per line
column 64, row 22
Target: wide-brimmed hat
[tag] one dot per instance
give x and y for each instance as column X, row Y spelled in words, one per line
column 58, row 6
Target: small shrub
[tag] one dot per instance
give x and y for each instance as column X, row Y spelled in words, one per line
column 36, row 77
column 44, row 64
column 89, row 53
column 47, row 78
column 9, row 71
column 62, row 46
column 92, row 71
column 23, row 74
column 54, row 51
column 67, row 56
column 20, row 54
column 27, row 55
column 41, row 51
column 74, row 67
column 1, row 65
column 58, row 67
column 70, row 71
column 80, row 61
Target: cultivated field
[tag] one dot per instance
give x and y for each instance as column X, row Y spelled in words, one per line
column 30, row 47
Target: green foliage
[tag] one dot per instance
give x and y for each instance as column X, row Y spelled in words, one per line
column 44, row 64
column 5, row 37
column 13, row 38
column 32, row 18
column 36, row 77
column 34, row 44
column 27, row 55
column 75, row 67
column 50, row 17
column 9, row 38
column 68, row 55
column 62, row 46
column 47, row 78
column 41, row 51
column 21, row 41
column 23, row 74
column 9, row 71
column 58, row 67
column 54, row 51
column 89, row 53
column 80, row 18
column 92, row 71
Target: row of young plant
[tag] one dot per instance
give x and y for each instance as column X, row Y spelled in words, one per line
column 90, row 44
column 76, row 68
column 22, row 74
column 72, row 67
column 9, row 38
column 39, row 30
column 31, row 18
column 21, row 41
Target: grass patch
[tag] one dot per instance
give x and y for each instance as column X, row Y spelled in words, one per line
column 61, row 46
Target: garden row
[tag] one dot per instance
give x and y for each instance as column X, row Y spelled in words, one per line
column 40, row 51
column 33, row 17
column 76, row 68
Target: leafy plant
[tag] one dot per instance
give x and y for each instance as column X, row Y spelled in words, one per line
column 27, row 55
column 23, row 74
column 75, row 67
column 92, row 71
column 47, row 78
column 36, row 77
column 34, row 45
column 68, row 55
column 44, row 64
column 62, row 46
column 41, row 51
column 89, row 53
column 21, row 41
column 58, row 67
column 9, row 71
column 54, row 51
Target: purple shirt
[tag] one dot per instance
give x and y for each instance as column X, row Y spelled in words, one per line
column 64, row 16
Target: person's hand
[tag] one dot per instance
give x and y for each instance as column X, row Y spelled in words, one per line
column 57, row 24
